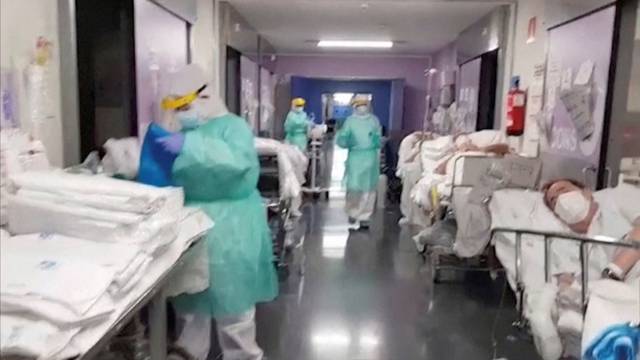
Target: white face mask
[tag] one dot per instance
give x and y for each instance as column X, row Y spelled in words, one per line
column 572, row 207
column 298, row 109
column 362, row 110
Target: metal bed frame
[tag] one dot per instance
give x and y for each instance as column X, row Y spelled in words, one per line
column 439, row 253
column 279, row 212
column 584, row 243
column 157, row 301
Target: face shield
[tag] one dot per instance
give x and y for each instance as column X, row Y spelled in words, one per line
column 191, row 101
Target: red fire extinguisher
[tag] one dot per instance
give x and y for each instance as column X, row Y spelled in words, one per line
column 516, row 104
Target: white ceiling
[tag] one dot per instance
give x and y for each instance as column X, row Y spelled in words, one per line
column 418, row 27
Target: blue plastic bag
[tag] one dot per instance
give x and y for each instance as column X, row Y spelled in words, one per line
column 156, row 163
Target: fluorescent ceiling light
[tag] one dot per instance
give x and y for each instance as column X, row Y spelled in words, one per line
column 355, row 44
column 342, row 98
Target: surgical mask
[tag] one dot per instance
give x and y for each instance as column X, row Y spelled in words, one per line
column 362, row 110
column 189, row 119
column 572, row 207
column 298, row 109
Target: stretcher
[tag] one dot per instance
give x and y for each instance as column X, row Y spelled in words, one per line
column 545, row 239
column 286, row 244
column 474, row 178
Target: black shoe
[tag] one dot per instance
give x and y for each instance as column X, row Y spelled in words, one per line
column 364, row 225
column 352, row 220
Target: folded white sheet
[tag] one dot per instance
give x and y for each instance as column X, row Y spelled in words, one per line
column 58, row 180
column 73, row 282
column 27, row 216
column 193, row 225
column 57, row 313
column 32, row 338
column 53, row 202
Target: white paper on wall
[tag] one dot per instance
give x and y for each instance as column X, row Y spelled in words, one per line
column 577, row 103
column 584, row 73
column 567, row 77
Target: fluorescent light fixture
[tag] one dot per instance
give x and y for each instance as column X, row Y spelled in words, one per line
column 342, row 98
column 355, row 44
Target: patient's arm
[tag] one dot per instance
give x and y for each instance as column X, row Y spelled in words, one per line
column 500, row 149
column 625, row 259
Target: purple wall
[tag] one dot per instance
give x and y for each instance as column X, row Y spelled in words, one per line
column 446, row 62
column 409, row 69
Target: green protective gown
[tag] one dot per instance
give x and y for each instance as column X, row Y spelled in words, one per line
column 361, row 135
column 218, row 168
column 296, row 127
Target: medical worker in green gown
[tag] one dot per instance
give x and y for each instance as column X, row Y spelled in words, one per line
column 297, row 124
column 217, row 165
column 361, row 134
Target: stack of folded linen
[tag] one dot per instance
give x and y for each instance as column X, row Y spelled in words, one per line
column 93, row 207
column 18, row 153
column 52, row 286
column 59, row 295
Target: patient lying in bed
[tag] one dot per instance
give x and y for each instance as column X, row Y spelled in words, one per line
column 439, row 157
column 614, row 213
column 611, row 212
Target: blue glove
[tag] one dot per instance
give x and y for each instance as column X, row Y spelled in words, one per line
column 172, row 143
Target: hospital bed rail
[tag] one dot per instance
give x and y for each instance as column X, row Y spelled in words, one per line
column 548, row 237
column 471, row 176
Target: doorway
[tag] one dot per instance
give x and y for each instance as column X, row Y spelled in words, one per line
column 106, row 72
column 232, row 90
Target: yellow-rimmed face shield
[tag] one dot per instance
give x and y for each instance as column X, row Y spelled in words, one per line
column 171, row 103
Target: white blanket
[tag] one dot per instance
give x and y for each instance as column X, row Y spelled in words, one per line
column 292, row 165
column 610, row 303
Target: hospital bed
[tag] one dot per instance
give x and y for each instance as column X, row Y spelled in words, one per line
column 280, row 186
column 604, row 312
column 474, row 178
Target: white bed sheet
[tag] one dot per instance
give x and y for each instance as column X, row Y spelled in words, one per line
column 610, row 303
column 193, row 226
column 32, row 335
column 292, row 165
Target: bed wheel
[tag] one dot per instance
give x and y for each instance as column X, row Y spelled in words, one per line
column 326, row 195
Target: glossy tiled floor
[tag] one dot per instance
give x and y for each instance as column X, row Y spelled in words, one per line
column 368, row 296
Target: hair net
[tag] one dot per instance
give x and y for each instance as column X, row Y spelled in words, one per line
column 187, row 79
column 360, row 102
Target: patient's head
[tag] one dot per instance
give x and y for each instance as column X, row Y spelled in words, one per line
column 571, row 202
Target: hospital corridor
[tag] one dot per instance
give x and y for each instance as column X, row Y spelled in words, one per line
column 320, row 180
column 369, row 295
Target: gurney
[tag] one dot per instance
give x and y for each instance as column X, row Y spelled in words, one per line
column 598, row 306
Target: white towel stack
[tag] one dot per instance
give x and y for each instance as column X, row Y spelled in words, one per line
column 93, row 207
